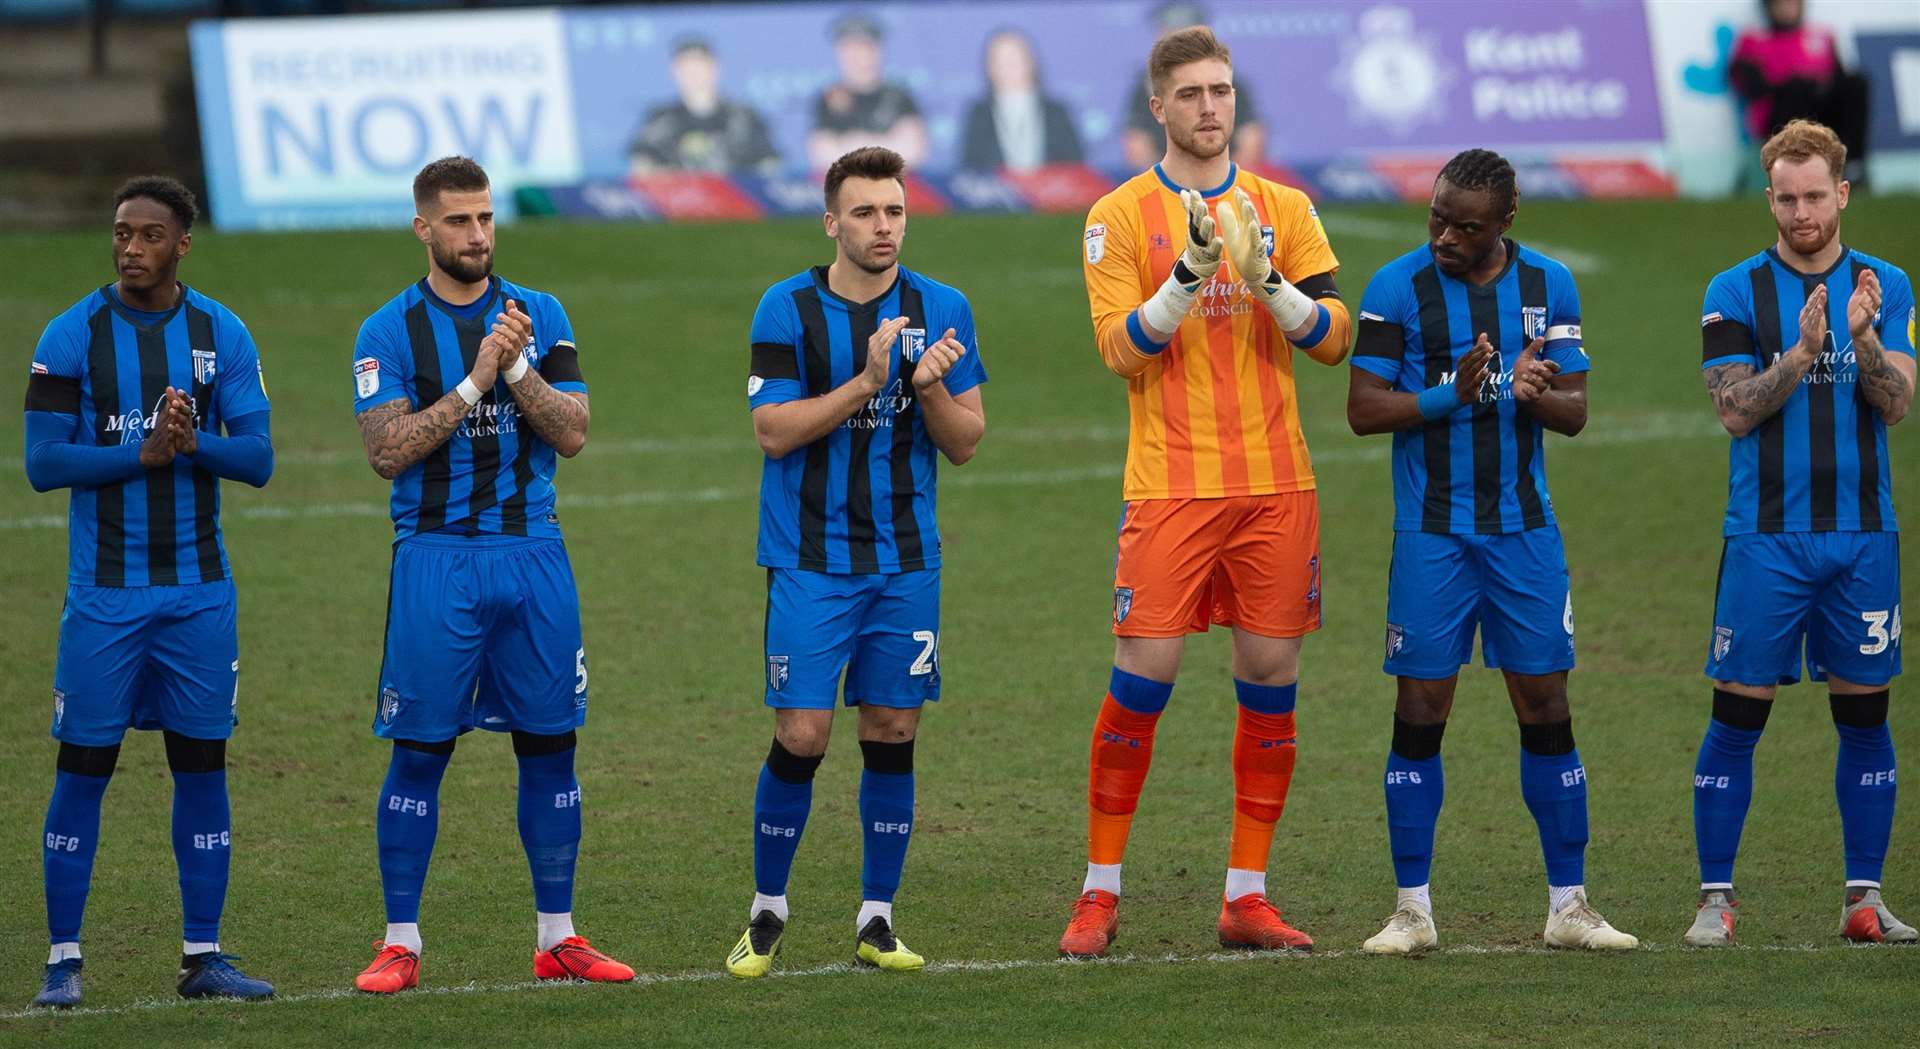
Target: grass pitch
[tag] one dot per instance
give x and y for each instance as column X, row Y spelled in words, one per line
column 660, row 519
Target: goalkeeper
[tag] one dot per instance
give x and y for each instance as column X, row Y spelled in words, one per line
column 1199, row 298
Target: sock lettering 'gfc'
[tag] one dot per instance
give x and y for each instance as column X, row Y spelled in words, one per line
column 1554, row 784
column 548, row 813
column 202, row 832
column 1723, row 782
column 1416, row 786
column 1122, row 754
column 886, row 816
column 781, row 803
column 406, row 822
column 72, row 835
column 1263, row 758
column 1863, row 782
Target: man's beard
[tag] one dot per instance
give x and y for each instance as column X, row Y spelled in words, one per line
column 865, row 259
column 1186, row 142
column 1827, row 231
column 463, row 268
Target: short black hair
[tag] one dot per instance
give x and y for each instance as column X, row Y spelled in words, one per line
column 168, row 192
column 461, row 174
column 1484, row 169
column 875, row 162
column 691, row 42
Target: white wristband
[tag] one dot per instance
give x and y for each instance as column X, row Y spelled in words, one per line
column 1289, row 305
column 517, row 372
column 1168, row 307
column 468, row 391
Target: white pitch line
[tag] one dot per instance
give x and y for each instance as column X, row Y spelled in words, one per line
column 145, row 1005
column 1649, row 429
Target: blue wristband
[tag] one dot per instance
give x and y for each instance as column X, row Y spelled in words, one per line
column 1438, row 402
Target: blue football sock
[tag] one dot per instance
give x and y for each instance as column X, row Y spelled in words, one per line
column 1723, row 782
column 780, row 806
column 886, row 816
column 202, row 846
column 1416, row 788
column 549, row 812
column 72, row 834
column 1863, row 782
column 1554, row 784
column 406, row 822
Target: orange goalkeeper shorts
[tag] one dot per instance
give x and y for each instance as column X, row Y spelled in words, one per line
column 1251, row 561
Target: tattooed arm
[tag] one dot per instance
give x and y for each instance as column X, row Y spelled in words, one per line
column 559, row 418
column 1746, row 398
column 396, row 438
column 1886, row 380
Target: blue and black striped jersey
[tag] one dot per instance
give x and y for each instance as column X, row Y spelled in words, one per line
column 1819, row 464
column 1480, row 470
column 861, row 499
column 107, row 366
column 494, row 476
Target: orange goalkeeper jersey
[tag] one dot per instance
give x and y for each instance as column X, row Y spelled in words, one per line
column 1214, row 413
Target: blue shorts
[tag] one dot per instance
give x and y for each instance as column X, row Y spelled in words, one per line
column 147, row 657
column 1512, row 586
column 1838, row 592
column 481, row 632
column 883, row 631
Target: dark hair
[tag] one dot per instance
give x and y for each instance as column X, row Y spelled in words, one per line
column 461, row 174
column 691, row 42
column 162, row 190
column 1180, row 47
column 875, row 162
column 1484, row 169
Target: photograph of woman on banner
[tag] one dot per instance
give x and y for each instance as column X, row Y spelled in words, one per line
column 861, row 109
column 1015, row 124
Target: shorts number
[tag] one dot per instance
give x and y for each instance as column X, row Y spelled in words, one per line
column 1882, row 631
column 929, row 657
column 580, row 672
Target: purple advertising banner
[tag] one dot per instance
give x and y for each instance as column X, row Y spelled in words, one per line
column 757, row 88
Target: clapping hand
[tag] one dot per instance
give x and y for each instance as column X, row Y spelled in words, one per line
column 1532, row 375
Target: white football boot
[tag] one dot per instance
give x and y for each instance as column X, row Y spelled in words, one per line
column 1578, row 926
column 1408, row 931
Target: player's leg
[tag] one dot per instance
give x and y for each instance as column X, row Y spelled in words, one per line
column 1168, row 550
column 1433, row 607
column 1762, row 590
column 894, row 671
column 812, row 619
column 1526, row 630
column 193, row 682
column 1268, row 589
column 101, row 651
column 430, row 663
column 533, row 682
column 1854, row 642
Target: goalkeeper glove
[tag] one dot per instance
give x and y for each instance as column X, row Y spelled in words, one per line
column 1240, row 229
column 1196, row 265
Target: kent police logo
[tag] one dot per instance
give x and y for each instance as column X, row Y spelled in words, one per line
column 203, row 363
column 1722, row 641
column 389, row 705
column 1533, row 321
column 777, row 672
column 1396, row 639
column 1122, row 603
column 913, row 343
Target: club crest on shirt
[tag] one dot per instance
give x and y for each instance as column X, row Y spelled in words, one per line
column 913, row 343
column 1122, row 603
column 1266, row 240
column 777, row 672
column 389, row 705
column 1396, row 639
column 1096, row 242
column 1533, row 321
column 59, row 708
column 1722, row 641
column 1313, row 579
column 203, row 362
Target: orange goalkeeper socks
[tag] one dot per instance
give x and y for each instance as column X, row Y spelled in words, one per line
column 1122, row 753
column 1263, row 757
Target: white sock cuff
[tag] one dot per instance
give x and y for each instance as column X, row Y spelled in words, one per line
column 1417, row 894
column 1245, row 883
column 1855, row 884
column 60, row 952
column 776, row 904
column 1102, row 876
column 870, row 909
column 550, row 929
column 1558, row 896
column 190, row 948
column 404, row 934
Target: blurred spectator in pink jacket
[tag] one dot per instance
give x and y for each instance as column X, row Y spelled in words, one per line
column 1790, row 70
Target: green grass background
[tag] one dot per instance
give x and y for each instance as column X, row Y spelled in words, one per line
column 660, row 519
